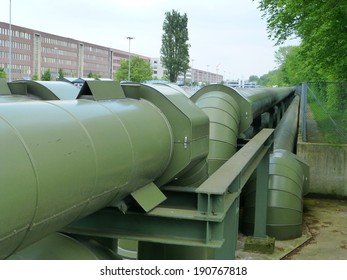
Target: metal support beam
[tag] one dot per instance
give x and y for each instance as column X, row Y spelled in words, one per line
column 203, row 217
column 261, row 197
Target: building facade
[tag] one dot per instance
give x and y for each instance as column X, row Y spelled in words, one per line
column 192, row 76
column 34, row 52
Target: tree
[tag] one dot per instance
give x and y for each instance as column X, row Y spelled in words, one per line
column 2, row 72
column 322, row 27
column 175, row 48
column 61, row 73
column 93, row 75
column 270, row 79
column 289, row 71
column 253, row 78
column 140, row 70
column 46, row 76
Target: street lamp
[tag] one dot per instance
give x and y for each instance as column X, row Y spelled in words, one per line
column 10, row 47
column 129, row 38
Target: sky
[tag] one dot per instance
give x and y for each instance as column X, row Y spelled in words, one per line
column 227, row 37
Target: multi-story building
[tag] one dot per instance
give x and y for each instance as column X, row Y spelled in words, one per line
column 33, row 52
column 201, row 76
column 192, row 75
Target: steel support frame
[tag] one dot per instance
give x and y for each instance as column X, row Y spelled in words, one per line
column 206, row 216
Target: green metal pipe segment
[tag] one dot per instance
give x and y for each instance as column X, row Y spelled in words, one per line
column 62, row 160
column 262, row 99
column 286, row 131
column 58, row 246
column 287, row 183
column 231, row 111
column 224, row 115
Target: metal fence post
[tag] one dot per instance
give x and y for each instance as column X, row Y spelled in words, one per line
column 303, row 111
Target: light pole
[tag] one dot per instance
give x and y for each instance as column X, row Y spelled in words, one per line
column 129, row 38
column 10, row 47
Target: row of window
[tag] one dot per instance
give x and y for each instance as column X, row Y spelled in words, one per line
column 94, row 57
column 15, row 33
column 56, row 42
column 53, row 60
column 17, row 68
column 54, row 51
column 16, row 56
column 15, row 45
column 94, row 66
column 96, row 50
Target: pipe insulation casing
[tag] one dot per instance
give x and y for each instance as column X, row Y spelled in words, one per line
column 62, row 160
column 224, row 115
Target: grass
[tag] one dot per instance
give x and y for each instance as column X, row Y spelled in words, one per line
column 329, row 133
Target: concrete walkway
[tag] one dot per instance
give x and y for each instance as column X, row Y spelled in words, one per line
column 324, row 234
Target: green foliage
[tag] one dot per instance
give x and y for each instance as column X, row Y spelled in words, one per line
column 322, row 27
column 61, row 73
column 253, row 78
column 2, row 72
column 270, row 79
column 321, row 55
column 175, row 47
column 93, row 75
column 140, row 70
column 46, row 76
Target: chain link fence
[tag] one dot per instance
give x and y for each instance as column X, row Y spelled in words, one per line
column 324, row 112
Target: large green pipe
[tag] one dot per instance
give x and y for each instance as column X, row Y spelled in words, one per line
column 287, row 181
column 286, row 131
column 62, row 160
column 231, row 111
column 224, row 115
column 58, row 246
column 262, row 99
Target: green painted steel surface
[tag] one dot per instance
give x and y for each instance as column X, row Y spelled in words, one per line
column 251, row 101
column 285, row 135
column 101, row 90
column 190, row 128
column 49, row 90
column 62, row 160
column 58, row 246
column 202, row 221
column 284, row 215
column 4, row 89
column 287, row 183
column 127, row 249
column 262, row 99
column 75, row 157
column 224, row 116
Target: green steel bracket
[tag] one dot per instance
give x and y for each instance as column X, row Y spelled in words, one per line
column 148, row 196
column 102, row 90
column 4, row 88
column 206, row 216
